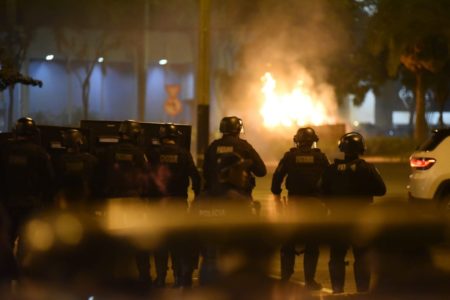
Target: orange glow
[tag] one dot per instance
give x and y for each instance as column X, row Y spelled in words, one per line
column 299, row 107
column 421, row 163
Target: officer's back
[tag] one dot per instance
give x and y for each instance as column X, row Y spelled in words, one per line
column 124, row 164
column 352, row 179
column 75, row 170
column 230, row 142
column 26, row 171
column 172, row 166
column 302, row 166
column 230, row 190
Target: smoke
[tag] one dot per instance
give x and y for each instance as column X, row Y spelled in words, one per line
column 294, row 40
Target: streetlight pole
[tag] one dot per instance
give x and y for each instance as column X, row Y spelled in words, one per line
column 202, row 82
column 141, row 65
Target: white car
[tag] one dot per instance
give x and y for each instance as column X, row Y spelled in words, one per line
column 430, row 163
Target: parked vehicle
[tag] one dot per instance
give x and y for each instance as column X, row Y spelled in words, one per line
column 430, row 163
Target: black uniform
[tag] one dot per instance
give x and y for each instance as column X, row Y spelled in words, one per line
column 350, row 185
column 221, row 201
column 124, row 166
column 171, row 167
column 355, row 178
column 303, row 167
column 75, row 174
column 227, row 144
column 25, row 176
column 226, row 199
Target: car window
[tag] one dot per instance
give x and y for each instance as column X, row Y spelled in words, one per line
column 432, row 142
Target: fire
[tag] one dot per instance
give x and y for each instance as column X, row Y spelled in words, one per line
column 298, row 107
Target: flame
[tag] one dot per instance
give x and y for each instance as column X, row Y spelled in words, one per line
column 295, row 108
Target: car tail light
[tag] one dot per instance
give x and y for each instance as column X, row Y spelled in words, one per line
column 421, row 163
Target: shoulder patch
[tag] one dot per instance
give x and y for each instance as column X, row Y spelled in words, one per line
column 224, row 149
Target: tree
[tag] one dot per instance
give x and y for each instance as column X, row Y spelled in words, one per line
column 441, row 89
column 425, row 56
column 415, row 34
column 85, row 33
column 356, row 71
column 84, row 48
column 14, row 43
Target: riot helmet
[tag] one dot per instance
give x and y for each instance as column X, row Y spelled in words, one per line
column 233, row 169
column 73, row 138
column 130, row 129
column 26, row 127
column 231, row 125
column 169, row 130
column 352, row 143
column 305, row 136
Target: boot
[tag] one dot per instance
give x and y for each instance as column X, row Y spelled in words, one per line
column 310, row 260
column 287, row 262
column 362, row 277
column 337, row 276
column 313, row 285
column 160, row 281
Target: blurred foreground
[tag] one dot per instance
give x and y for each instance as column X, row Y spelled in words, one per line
column 88, row 254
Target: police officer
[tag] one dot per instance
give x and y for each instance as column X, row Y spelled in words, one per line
column 350, row 185
column 302, row 166
column 26, row 175
column 224, row 199
column 232, row 179
column 171, row 167
column 124, row 164
column 230, row 127
column 75, row 171
column 124, row 168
